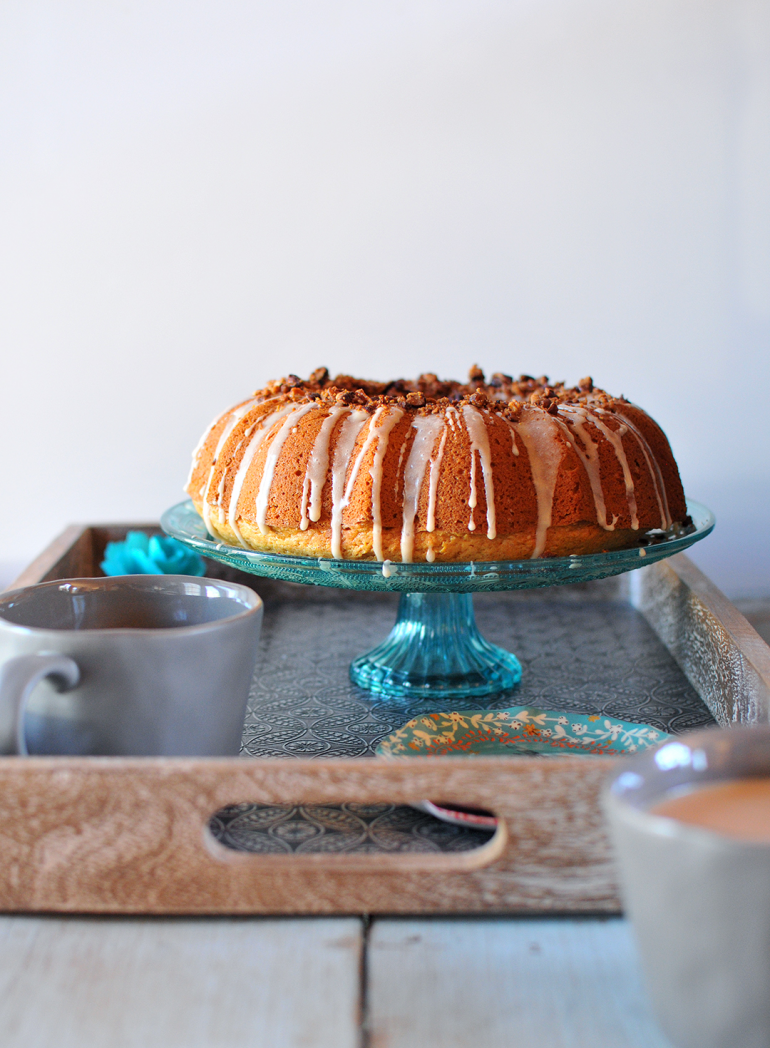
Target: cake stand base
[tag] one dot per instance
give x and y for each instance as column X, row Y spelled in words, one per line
column 435, row 650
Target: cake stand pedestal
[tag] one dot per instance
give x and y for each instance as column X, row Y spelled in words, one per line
column 435, row 649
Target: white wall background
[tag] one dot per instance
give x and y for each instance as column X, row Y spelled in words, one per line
column 198, row 196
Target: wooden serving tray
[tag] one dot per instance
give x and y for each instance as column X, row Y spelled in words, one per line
column 117, row 835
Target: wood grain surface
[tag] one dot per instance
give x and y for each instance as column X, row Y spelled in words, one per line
column 166, row 983
column 70, row 552
column 720, row 652
column 507, row 984
column 76, row 553
column 118, row 835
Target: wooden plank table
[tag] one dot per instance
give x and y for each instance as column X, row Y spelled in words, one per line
column 169, row 983
column 317, row 982
column 487, row 983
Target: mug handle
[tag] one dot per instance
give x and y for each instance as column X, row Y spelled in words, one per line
column 18, row 677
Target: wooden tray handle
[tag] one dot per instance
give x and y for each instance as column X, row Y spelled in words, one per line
column 128, row 835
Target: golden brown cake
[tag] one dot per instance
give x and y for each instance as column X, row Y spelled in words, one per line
column 430, row 470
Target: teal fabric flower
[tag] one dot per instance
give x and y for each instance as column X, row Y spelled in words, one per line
column 141, row 554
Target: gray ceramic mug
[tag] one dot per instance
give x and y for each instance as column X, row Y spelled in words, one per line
column 135, row 665
column 699, row 901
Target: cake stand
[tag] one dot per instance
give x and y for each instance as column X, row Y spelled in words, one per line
column 435, row 649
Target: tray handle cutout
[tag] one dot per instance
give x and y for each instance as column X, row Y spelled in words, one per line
column 271, row 849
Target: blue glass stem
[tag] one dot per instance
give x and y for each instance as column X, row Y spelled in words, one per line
column 435, row 650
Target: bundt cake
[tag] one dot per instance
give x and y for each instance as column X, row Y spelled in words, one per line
column 430, row 470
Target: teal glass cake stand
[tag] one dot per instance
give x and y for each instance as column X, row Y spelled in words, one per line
column 435, row 649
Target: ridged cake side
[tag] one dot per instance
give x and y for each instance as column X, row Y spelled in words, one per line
column 428, row 470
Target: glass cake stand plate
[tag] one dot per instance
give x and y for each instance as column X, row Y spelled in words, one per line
column 435, row 650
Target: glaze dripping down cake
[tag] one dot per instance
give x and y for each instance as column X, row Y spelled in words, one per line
column 426, row 470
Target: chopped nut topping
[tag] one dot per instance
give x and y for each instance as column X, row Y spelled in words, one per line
column 429, row 394
column 499, row 379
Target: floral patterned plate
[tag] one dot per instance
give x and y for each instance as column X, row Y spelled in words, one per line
column 521, row 730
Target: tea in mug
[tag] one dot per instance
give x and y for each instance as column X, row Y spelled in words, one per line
column 737, row 808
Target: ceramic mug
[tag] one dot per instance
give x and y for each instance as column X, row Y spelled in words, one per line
column 135, row 665
column 699, row 901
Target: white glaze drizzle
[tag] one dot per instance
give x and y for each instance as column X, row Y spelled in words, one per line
column 435, row 470
column 255, row 435
column 472, row 493
column 351, row 427
column 206, row 509
column 477, row 431
column 199, row 448
column 614, row 436
column 268, row 471
column 514, row 445
column 430, row 556
column 244, row 436
column 666, row 519
column 589, row 456
column 401, row 454
column 246, row 406
column 382, row 433
column 428, row 428
column 317, row 468
column 234, row 418
column 538, row 432
column 371, row 436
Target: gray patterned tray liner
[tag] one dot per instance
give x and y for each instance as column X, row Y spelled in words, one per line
column 582, row 648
